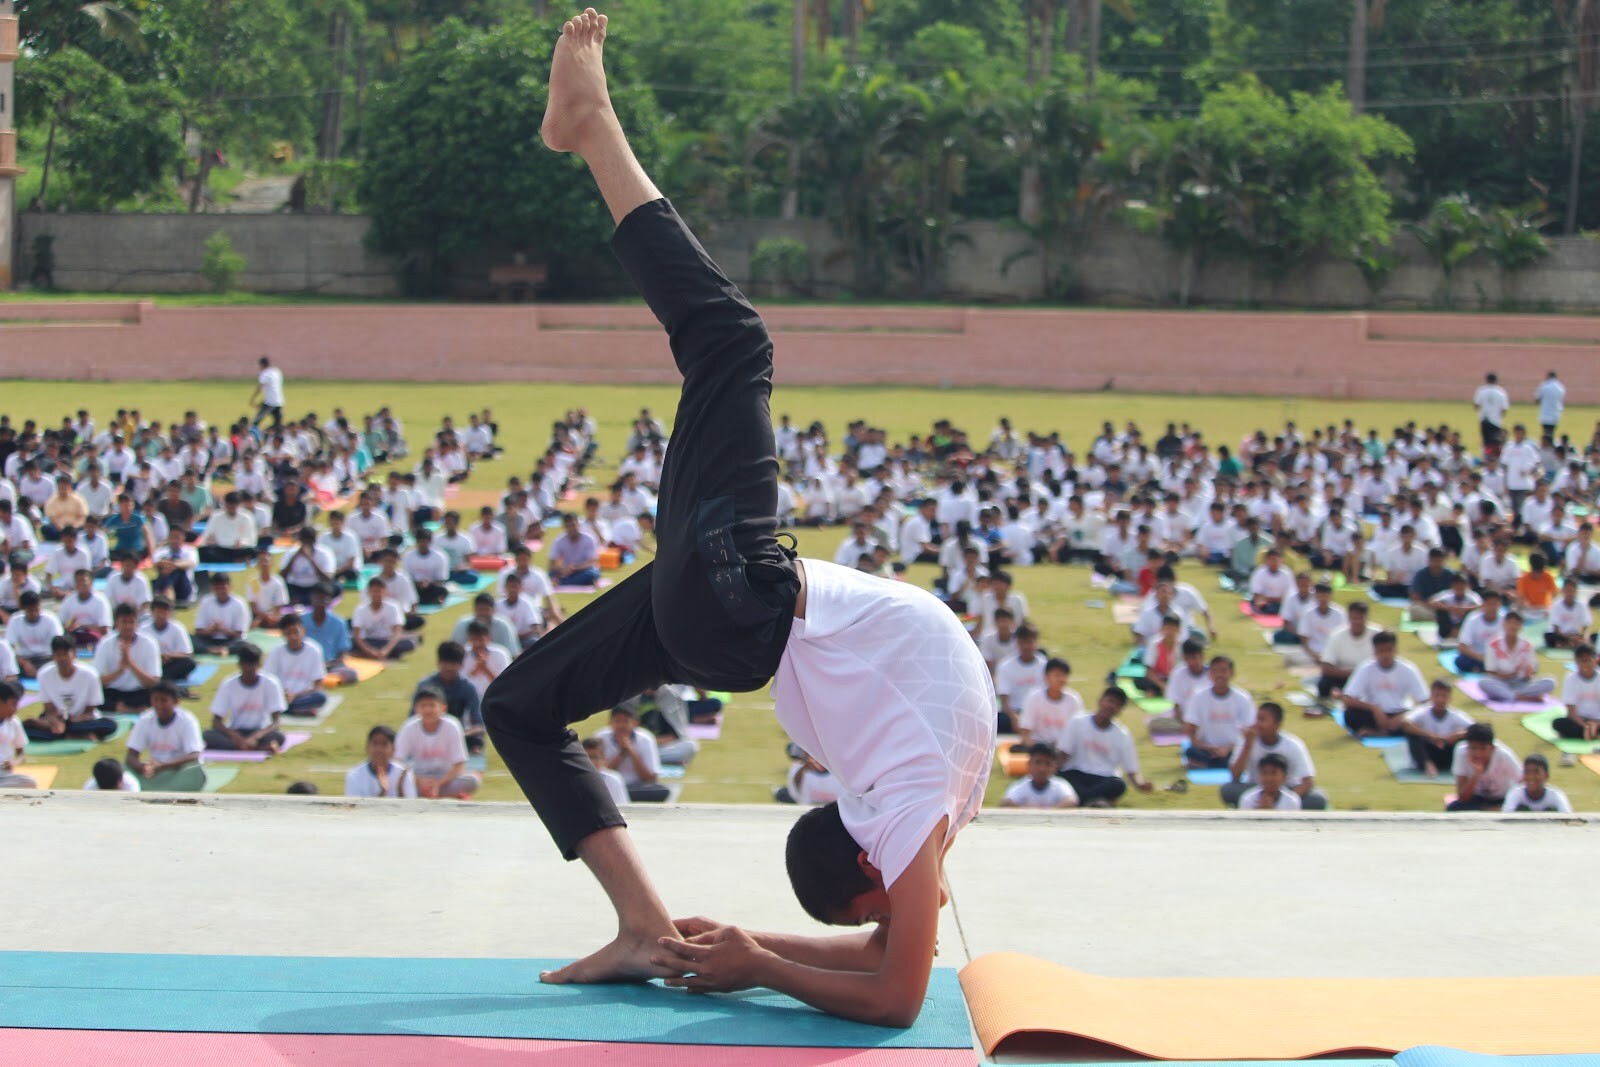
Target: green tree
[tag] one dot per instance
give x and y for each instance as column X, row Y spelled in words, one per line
column 221, row 265
column 453, row 162
column 1451, row 233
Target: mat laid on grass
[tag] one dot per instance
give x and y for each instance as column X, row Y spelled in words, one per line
column 439, row 997
column 365, row 670
column 1398, row 760
column 43, row 774
column 1473, row 689
column 1259, row 617
column 1542, row 726
column 327, row 709
column 291, row 738
column 1013, row 996
column 1337, row 715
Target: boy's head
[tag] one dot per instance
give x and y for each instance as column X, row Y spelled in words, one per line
column 107, row 775
column 63, row 652
column 1269, row 720
column 451, row 657
column 1535, row 773
column 1056, row 674
column 1027, row 641
column 249, row 659
column 1439, row 693
column 380, row 744
column 1584, row 657
column 1480, row 740
column 10, row 695
column 596, row 751
column 1112, row 701
column 1042, row 762
column 830, row 873
column 164, row 699
column 1384, row 644
column 429, row 706
column 624, row 719
column 161, row 612
column 1273, row 771
column 1193, row 654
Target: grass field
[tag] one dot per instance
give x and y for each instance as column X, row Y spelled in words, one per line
column 748, row 760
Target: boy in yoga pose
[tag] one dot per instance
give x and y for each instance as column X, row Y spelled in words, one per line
column 876, row 679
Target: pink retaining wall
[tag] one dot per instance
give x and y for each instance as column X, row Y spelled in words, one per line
column 1403, row 356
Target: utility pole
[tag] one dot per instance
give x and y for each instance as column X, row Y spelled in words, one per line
column 9, row 170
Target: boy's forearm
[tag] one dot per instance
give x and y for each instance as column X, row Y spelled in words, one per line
column 859, row 951
column 880, row 997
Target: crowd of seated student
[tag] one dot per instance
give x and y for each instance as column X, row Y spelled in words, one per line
column 1266, row 514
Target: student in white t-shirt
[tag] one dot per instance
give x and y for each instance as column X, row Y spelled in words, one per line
column 377, row 628
column 616, row 788
column 521, row 613
column 632, row 753
column 380, row 775
column 1267, row 738
column 85, row 615
column 300, row 666
column 485, row 659
column 1433, row 732
column 1486, row 770
column 1381, row 690
column 72, row 698
column 109, row 776
column 1580, row 692
column 1273, row 794
column 13, row 741
column 432, row 744
column 269, row 393
column 165, row 748
column 1016, row 677
column 128, row 586
column 31, row 632
column 1046, row 711
column 266, row 594
column 1270, row 583
column 222, row 619
column 1534, row 793
column 1041, row 788
column 1099, row 752
column 1571, row 621
column 1215, row 718
column 128, row 663
column 247, row 709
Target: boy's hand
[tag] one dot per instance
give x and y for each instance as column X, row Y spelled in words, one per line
column 723, row 960
column 696, row 926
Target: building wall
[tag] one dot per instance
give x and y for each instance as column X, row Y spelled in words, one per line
column 1356, row 355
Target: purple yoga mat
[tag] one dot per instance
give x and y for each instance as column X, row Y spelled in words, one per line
column 1167, row 740
column 1521, row 707
column 705, row 731
column 289, row 741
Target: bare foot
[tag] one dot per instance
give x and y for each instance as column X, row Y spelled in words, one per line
column 1430, row 770
column 627, row 959
column 578, row 93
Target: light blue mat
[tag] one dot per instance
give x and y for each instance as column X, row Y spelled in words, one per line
column 438, row 997
column 1447, row 660
column 1436, row 1056
column 1210, row 776
column 1337, row 715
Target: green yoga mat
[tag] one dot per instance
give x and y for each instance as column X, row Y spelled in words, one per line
column 218, row 775
column 1153, row 705
column 439, row 997
column 77, row 746
column 1542, row 727
column 1398, row 759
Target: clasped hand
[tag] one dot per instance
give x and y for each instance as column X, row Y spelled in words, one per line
column 710, row 957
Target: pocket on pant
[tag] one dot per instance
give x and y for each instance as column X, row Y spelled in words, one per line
column 726, row 571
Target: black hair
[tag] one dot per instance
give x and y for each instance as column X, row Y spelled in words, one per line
column 108, row 774
column 9, row 692
column 62, row 643
column 1384, row 637
column 381, row 730
column 1537, row 759
column 824, row 866
column 1057, row 664
column 167, row 687
column 1274, row 709
column 451, row 652
column 125, row 611
column 292, row 619
column 1039, row 748
column 1481, row 732
column 1116, row 693
column 1191, row 647
column 428, row 692
column 248, row 653
column 303, row 789
column 1274, row 759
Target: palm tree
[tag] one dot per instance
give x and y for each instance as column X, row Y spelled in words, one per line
column 1584, row 19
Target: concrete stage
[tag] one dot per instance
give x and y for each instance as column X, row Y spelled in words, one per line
column 1124, row 894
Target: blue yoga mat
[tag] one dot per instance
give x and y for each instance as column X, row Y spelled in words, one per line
column 1337, row 715
column 202, row 673
column 222, row 568
column 1437, row 1056
column 1210, row 776
column 1447, row 660
column 436, row 997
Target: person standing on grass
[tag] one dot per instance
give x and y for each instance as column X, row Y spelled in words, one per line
column 269, row 394
column 724, row 606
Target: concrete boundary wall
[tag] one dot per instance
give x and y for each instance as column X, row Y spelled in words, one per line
column 1355, row 355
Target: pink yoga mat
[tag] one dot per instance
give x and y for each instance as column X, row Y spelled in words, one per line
column 1521, row 707
column 1274, row 621
column 121, row 1048
column 290, row 739
column 705, row 731
column 1167, row 740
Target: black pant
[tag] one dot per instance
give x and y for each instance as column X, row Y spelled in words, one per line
column 1092, row 787
column 176, row 584
column 1477, row 804
column 1356, row 719
column 97, row 728
column 176, row 670
column 1425, row 750
column 218, row 554
column 1568, row 727
column 715, row 606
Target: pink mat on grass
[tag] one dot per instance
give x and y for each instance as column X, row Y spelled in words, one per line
column 1472, row 689
column 1167, row 740
column 1274, row 621
column 114, row 1048
column 290, row 739
column 705, row 731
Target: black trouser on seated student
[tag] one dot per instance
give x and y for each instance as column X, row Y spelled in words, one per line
column 1477, row 804
column 1425, row 750
column 648, row 793
column 1392, row 590
column 177, row 670
column 1568, row 727
column 221, row 742
column 99, row 729
column 217, row 554
column 132, row 699
column 1361, row 719
column 1093, row 787
column 1447, row 624
column 715, row 606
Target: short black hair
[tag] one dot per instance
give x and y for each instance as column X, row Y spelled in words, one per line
column 1191, row 647
column 108, row 774
column 247, row 652
column 1039, row 748
column 1481, row 732
column 1537, row 760
column 303, row 789
column 1273, row 708
column 9, row 692
column 62, row 643
column 1057, row 664
column 451, row 652
column 824, row 865
column 1274, row 759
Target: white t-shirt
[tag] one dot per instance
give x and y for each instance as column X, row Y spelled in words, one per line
column 614, row 785
column 1451, row 723
column 13, row 739
column 535, row 583
column 1288, row 800
column 1477, row 630
column 643, row 743
column 8, row 662
column 1182, row 685
column 271, row 381
column 269, row 596
column 76, row 612
column 134, row 591
column 1274, row 585
column 172, row 641
column 1315, row 628
column 1290, row 748
column 498, row 659
column 247, row 708
column 164, row 744
column 523, row 614
column 72, row 696
column 431, row 755
column 1219, row 719
column 232, row 615
column 1025, row 794
column 1552, row 800
column 1107, row 753
column 1391, row 690
column 1016, row 680
column 145, row 653
column 297, row 672
column 924, row 752
column 376, row 625
column 32, row 638
column 362, row 781
column 1503, row 774
column 1582, row 693
column 302, row 571
column 1570, row 619
column 1492, row 404
column 1045, row 719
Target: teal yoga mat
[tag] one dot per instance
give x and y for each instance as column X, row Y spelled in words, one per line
column 1209, row 776
column 1438, row 1056
column 440, row 997
column 1538, row 725
column 1398, row 760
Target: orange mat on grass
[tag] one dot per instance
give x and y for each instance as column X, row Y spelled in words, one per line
column 1053, row 1010
column 43, row 774
column 1013, row 764
column 366, row 670
column 488, row 563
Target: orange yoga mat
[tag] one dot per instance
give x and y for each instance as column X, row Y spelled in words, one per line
column 1020, row 1001
column 1591, row 762
column 488, row 563
column 43, row 774
column 1014, row 764
column 366, row 670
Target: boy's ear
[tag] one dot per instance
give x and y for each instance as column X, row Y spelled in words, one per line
column 874, row 875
